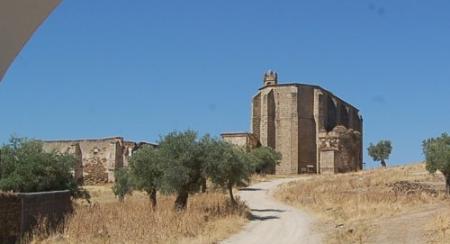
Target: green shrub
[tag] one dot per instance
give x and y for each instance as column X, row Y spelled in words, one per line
column 25, row 167
column 437, row 155
column 122, row 186
column 265, row 159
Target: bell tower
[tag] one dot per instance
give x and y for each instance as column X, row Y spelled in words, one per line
column 270, row 78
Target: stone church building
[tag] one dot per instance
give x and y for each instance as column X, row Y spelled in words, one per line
column 314, row 130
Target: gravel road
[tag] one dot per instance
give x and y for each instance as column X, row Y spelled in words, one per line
column 273, row 222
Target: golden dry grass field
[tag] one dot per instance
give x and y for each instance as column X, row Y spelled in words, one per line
column 208, row 219
column 395, row 205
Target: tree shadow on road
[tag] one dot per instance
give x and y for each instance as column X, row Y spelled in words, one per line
column 250, row 189
column 253, row 217
column 268, row 210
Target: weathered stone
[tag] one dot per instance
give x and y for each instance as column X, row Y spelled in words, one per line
column 294, row 119
column 98, row 158
column 247, row 140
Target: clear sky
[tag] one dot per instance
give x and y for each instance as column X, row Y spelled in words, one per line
column 140, row 69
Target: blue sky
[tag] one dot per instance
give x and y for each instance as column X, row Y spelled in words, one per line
column 140, row 69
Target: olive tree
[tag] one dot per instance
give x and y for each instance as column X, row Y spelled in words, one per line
column 265, row 159
column 437, row 155
column 122, row 185
column 227, row 166
column 380, row 151
column 146, row 171
column 181, row 159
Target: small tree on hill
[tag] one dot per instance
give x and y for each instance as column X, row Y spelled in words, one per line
column 146, row 171
column 26, row 167
column 227, row 166
column 437, row 155
column 181, row 160
column 265, row 159
column 122, row 186
column 380, row 151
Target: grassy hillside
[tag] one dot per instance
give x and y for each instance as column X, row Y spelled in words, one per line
column 395, row 205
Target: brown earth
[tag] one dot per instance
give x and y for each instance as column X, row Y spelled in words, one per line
column 396, row 205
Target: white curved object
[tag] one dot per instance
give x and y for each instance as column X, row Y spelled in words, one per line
column 18, row 21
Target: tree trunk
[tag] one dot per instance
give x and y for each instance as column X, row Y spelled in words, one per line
column 152, row 196
column 447, row 184
column 383, row 163
column 230, row 190
column 181, row 201
column 204, row 185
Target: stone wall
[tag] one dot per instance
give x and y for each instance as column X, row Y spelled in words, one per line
column 245, row 140
column 340, row 150
column 19, row 212
column 99, row 158
column 10, row 216
column 71, row 148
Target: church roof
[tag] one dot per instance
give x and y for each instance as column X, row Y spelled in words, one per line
column 310, row 86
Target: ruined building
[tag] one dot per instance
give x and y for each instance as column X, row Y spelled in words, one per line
column 97, row 159
column 315, row 131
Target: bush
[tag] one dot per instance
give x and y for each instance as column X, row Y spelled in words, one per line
column 25, row 167
column 437, row 155
column 123, row 185
column 265, row 159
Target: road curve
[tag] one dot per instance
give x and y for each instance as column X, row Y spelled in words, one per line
column 272, row 221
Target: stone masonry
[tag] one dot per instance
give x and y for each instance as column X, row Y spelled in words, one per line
column 97, row 159
column 315, row 131
column 242, row 139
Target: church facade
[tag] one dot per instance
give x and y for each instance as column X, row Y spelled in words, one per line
column 314, row 130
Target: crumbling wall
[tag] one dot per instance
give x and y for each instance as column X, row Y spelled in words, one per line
column 128, row 148
column 72, row 148
column 340, row 150
column 98, row 158
column 244, row 140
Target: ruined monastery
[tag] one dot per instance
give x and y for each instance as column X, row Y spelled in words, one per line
column 97, row 159
column 314, row 130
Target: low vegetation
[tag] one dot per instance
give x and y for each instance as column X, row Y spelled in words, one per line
column 437, row 153
column 172, row 173
column 208, row 218
column 266, row 160
column 438, row 229
column 353, row 207
column 25, row 167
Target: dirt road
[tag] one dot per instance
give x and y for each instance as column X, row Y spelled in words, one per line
column 273, row 222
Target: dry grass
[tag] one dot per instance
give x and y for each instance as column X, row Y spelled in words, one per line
column 350, row 204
column 438, row 229
column 257, row 178
column 209, row 218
